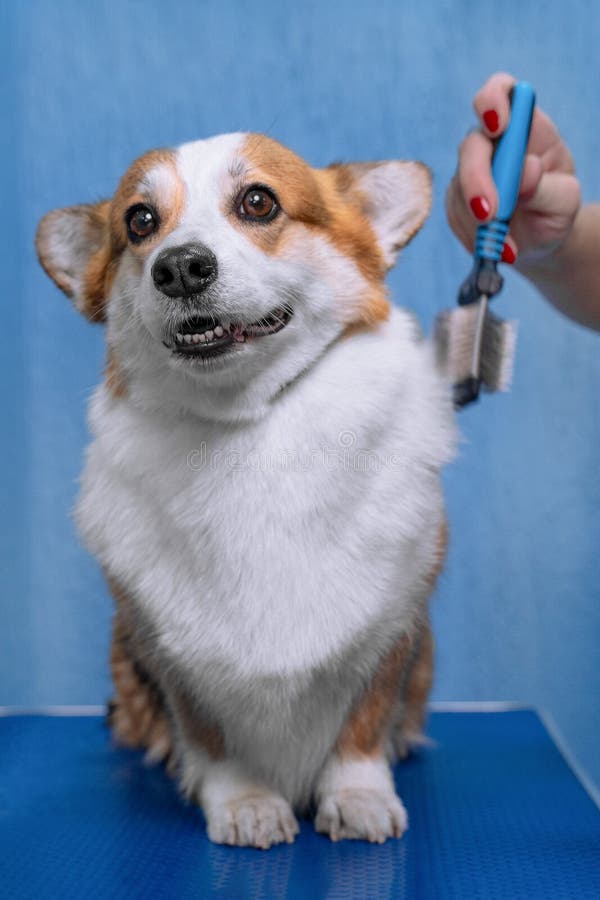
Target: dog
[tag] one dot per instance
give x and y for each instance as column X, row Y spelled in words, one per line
column 262, row 489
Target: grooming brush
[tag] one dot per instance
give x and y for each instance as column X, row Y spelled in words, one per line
column 476, row 348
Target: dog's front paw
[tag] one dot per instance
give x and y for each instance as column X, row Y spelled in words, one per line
column 361, row 814
column 258, row 819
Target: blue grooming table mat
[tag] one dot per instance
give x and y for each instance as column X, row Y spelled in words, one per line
column 495, row 813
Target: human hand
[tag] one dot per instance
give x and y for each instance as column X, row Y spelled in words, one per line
column 549, row 195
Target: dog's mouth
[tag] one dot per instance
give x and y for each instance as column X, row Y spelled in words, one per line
column 206, row 336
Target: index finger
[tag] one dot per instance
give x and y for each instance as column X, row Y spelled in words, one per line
column 475, row 175
column 492, row 103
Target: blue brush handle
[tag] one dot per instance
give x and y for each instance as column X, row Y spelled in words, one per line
column 507, row 167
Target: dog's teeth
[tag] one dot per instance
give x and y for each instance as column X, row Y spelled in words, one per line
column 233, row 330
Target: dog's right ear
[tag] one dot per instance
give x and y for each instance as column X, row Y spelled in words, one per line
column 73, row 246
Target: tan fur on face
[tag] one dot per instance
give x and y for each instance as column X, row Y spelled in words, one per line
column 99, row 275
column 325, row 201
column 294, row 182
column 102, row 233
column 137, row 186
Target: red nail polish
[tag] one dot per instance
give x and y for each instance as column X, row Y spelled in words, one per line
column 491, row 120
column 508, row 254
column 480, row 208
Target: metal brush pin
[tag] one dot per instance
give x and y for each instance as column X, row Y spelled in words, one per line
column 475, row 348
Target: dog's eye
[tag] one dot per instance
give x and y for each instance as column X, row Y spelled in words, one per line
column 259, row 203
column 141, row 222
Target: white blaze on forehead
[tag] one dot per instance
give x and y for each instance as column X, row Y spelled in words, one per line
column 205, row 169
column 161, row 184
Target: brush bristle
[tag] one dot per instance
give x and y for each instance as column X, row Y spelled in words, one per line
column 454, row 337
column 498, row 353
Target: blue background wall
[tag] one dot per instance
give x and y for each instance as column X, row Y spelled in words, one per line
column 87, row 87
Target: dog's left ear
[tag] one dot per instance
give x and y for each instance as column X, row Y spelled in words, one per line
column 73, row 246
column 395, row 196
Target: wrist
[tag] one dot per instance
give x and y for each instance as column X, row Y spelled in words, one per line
column 552, row 260
column 569, row 276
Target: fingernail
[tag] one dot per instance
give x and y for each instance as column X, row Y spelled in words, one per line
column 491, row 120
column 480, row 208
column 508, row 254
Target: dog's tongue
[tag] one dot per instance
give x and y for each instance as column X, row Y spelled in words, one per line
column 238, row 334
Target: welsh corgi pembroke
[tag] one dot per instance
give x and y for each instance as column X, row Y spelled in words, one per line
column 262, row 489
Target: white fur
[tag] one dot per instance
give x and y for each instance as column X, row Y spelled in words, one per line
column 160, row 183
column 357, row 800
column 242, row 812
column 238, row 809
column 256, row 574
column 274, row 517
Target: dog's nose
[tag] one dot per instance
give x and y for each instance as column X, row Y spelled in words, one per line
column 185, row 270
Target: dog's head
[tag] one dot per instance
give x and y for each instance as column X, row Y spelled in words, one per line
column 226, row 266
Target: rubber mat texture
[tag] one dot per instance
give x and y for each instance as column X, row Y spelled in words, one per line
column 495, row 813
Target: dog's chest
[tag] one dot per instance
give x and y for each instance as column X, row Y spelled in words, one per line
column 266, row 548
